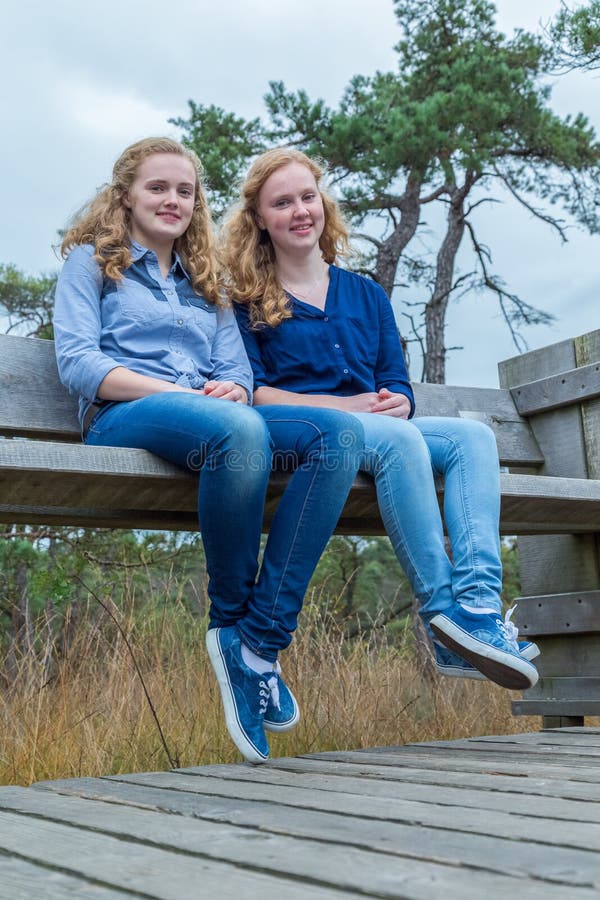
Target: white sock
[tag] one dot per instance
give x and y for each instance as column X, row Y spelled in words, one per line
column 480, row 609
column 257, row 663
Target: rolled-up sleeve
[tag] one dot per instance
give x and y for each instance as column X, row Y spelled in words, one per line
column 82, row 366
column 228, row 357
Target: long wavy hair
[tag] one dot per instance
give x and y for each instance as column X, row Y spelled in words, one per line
column 247, row 252
column 104, row 221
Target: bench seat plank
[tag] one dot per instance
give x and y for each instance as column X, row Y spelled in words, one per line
column 48, row 481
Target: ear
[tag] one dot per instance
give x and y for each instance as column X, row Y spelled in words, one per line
column 259, row 220
column 126, row 201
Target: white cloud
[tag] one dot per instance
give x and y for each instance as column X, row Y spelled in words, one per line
column 116, row 115
column 80, row 83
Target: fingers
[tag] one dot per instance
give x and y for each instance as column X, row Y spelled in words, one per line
column 226, row 390
column 391, row 404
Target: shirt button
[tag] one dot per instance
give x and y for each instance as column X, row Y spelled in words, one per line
column 337, row 346
column 170, row 293
column 326, row 319
column 180, row 321
column 345, row 371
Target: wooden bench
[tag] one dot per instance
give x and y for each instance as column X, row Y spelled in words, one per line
column 546, row 418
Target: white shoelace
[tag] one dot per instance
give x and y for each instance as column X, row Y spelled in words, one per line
column 273, row 684
column 511, row 632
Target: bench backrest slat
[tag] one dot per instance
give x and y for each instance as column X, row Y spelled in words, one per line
column 34, row 404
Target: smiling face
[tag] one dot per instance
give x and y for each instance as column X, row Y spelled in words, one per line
column 161, row 200
column 290, row 208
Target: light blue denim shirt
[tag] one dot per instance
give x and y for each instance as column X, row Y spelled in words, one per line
column 148, row 323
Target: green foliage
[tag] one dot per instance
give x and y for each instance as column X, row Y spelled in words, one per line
column 50, row 571
column 225, row 143
column 465, row 115
column 360, row 583
column 27, row 300
column 575, row 35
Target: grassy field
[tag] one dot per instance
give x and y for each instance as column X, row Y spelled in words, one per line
column 143, row 697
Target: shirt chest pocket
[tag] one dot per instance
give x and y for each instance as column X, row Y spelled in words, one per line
column 142, row 304
column 201, row 318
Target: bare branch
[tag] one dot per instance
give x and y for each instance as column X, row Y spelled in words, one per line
column 513, row 309
column 543, row 217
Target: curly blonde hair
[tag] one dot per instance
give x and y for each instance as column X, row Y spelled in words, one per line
column 246, row 249
column 104, row 221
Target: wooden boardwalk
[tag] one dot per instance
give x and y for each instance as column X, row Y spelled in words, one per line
column 509, row 817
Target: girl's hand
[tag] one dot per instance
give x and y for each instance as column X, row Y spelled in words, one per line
column 390, row 404
column 226, row 390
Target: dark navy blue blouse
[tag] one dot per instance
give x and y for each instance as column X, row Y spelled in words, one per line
column 350, row 347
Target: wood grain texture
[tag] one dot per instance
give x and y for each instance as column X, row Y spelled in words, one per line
column 545, row 394
column 490, row 816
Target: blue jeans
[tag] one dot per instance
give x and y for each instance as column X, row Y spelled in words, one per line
column 233, row 447
column 403, row 457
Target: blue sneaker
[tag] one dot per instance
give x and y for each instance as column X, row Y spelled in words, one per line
column 245, row 693
column 282, row 710
column 488, row 643
column 454, row 666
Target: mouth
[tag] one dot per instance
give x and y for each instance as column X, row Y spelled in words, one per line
column 301, row 229
column 169, row 217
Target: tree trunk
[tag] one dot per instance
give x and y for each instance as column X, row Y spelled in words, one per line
column 392, row 248
column 435, row 310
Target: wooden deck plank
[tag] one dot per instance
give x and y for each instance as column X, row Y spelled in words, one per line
column 322, row 862
column 489, row 816
column 137, row 866
column 480, row 797
column 22, row 880
column 436, row 844
column 533, row 786
column 467, row 762
column 461, row 818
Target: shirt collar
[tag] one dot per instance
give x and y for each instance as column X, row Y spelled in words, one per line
column 138, row 251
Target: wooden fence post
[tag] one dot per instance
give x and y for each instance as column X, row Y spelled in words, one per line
column 557, row 388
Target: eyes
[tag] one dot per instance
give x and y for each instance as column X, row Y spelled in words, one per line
column 284, row 202
column 159, row 187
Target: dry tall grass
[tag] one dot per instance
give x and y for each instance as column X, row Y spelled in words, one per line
column 88, row 714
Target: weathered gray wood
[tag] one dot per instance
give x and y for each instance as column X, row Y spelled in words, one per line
column 484, row 796
column 533, row 785
column 587, row 352
column 494, row 743
column 472, row 817
column 551, row 393
column 22, row 880
column 576, row 612
column 568, row 688
column 462, row 818
column 540, row 766
column 141, row 868
column 573, row 710
column 561, row 564
column 328, row 863
column 562, row 721
column 121, row 487
column 33, row 402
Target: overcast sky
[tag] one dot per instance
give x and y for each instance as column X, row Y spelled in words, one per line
column 80, row 81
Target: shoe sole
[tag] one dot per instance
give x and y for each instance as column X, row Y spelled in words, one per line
column 507, row 670
column 529, row 653
column 234, row 727
column 284, row 726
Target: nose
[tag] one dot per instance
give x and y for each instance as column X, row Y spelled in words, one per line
column 170, row 198
column 300, row 210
